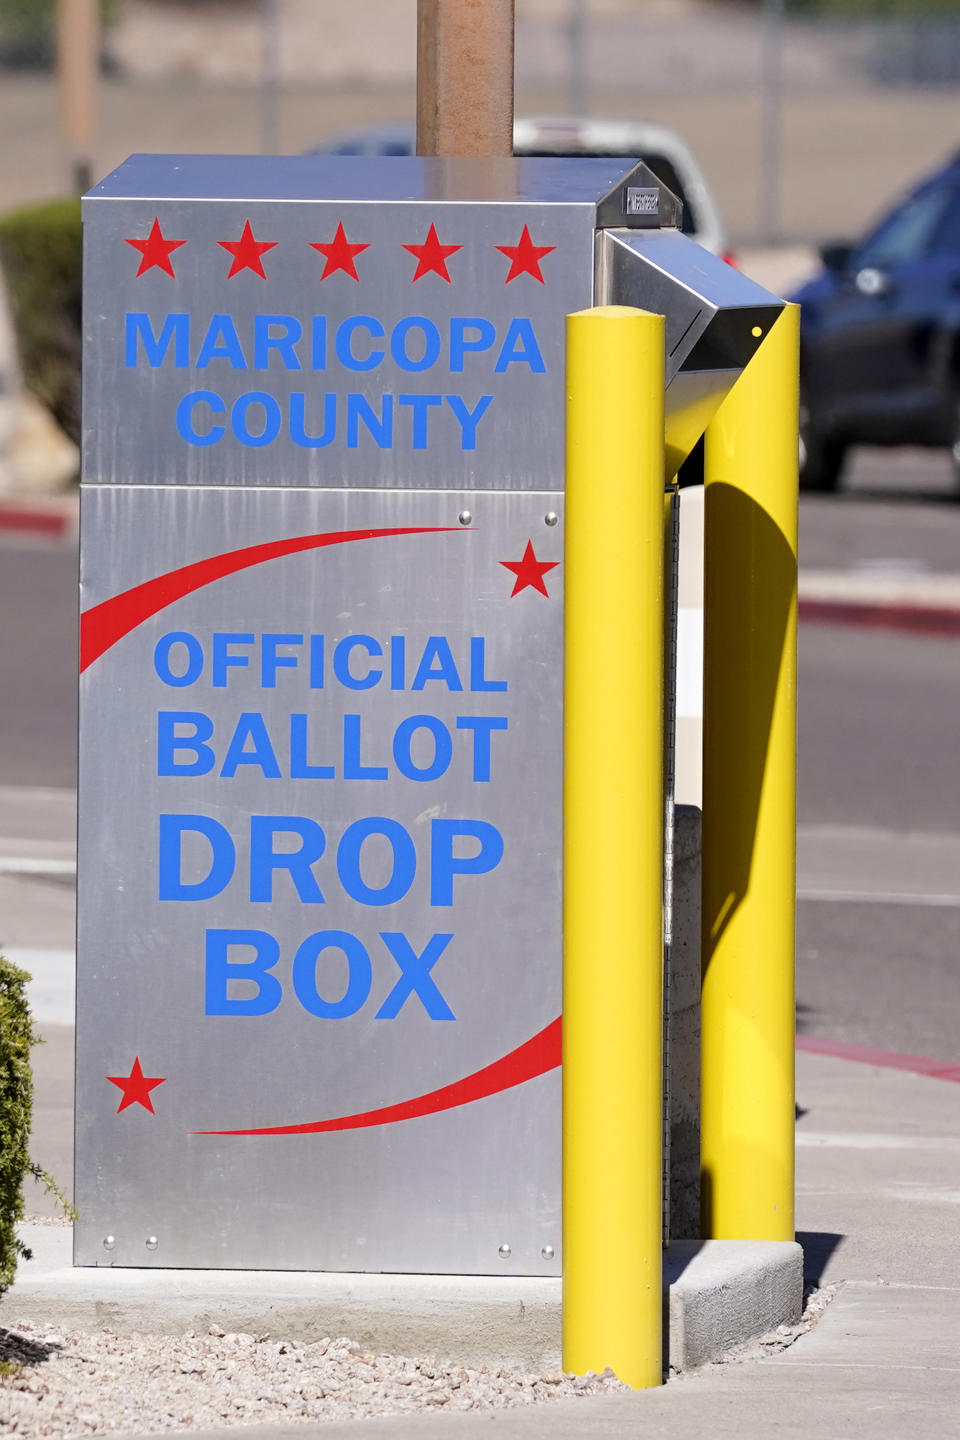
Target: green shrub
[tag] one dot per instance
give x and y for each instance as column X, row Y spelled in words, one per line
column 27, row 29
column 40, row 249
column 16, row 1105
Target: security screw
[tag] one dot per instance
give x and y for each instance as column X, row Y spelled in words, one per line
column 547, row 1252
column 109, row 1242
column 551, row 518
column 152, row 1242
column 465, row 517
column 504, row 1252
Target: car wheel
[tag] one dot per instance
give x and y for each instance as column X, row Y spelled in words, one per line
column 821, row 456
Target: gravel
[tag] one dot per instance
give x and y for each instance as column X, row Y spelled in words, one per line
column 91, row 1384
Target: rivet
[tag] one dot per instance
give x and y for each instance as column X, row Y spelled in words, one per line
column 756, row 332
column 551, row 518
column 108, row 1242
column 547, row 1252
column 504, row 1252
column 152, row 1242
column 464, row 517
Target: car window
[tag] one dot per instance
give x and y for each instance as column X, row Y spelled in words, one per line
column 661, row 166
column 946, row 241
column 907, row 234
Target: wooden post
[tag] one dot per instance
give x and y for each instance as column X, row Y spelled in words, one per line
column 465, row 77
column 78, row 63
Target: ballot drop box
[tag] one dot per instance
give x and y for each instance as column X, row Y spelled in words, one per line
column 319, row 865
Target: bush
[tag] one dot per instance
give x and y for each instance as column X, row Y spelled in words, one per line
column 16, row 1106
column 27, row 30
column 40, row 253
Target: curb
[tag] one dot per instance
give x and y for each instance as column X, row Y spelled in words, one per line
column 55, row 518
column 913, row 619
column 718, row 1294
column 924, row 604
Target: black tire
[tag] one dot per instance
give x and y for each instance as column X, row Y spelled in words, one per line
column 821, row 457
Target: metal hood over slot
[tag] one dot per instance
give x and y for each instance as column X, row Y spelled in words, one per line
column 715, row 320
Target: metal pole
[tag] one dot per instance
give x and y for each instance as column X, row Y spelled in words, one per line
column 749, row 798
column 577, row 68
column 771, row 121
column 613, row 846
column 78, row 62
column 270, row 82
column 465, row 77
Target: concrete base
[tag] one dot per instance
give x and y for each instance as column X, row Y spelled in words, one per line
column 718, row 1294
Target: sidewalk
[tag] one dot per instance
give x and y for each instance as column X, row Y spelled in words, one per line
column 877, row 1191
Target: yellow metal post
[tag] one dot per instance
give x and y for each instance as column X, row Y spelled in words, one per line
column 613, row 839
column 749, row 798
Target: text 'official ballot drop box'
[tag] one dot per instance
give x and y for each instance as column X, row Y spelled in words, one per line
column 319, row 948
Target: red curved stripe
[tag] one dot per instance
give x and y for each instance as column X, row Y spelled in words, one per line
column 103, row 625
column 535, row 1057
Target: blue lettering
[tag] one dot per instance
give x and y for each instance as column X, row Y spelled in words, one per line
column 415, row 977
column 271, row 661
column 380, row 426
column 185, row 409
column 444, row 865
column 404, row 865
column 171, row 885
column 251, row 727
column 469, row 419
column 341, row 662
column 194, row 665
column 300, row 767
column 264, row 341
column 220, row 970
column 478, row 679
column 482, row 727
column 298, row 422
column 271, row 419
column 343, row 343
column 221, row 342
column 353, row 767
column 437, row 649
column 485, row 334
column 431, row 343
column 403, row 745
column 222, row 658
column 175, row 328
column 359, row 974
column 421, row 406
column 520, row 345
column 169, row 743
column 264, row 860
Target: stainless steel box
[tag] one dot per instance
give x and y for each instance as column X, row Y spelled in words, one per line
column 320, row 752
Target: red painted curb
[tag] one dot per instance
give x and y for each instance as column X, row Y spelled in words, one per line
column 885, row 1059
column 33, row 520
column 883, row 615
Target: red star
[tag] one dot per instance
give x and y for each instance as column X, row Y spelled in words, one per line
column 432, row 256
column 339, row 254
column 529, row 571
column 136, row 1087
column 155, row 250
column 525, row 257
column 246, row 252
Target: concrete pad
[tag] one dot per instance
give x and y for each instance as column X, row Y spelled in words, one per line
column 718, row 1295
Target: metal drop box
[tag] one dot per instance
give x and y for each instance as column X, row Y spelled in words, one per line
column 319, row 883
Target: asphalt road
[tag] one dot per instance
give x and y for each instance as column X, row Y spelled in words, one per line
column 879, row 803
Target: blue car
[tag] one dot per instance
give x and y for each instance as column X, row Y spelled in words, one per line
column 880, row 336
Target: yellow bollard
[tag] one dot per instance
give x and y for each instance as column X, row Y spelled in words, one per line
column 613, row 839
column 749, row 798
